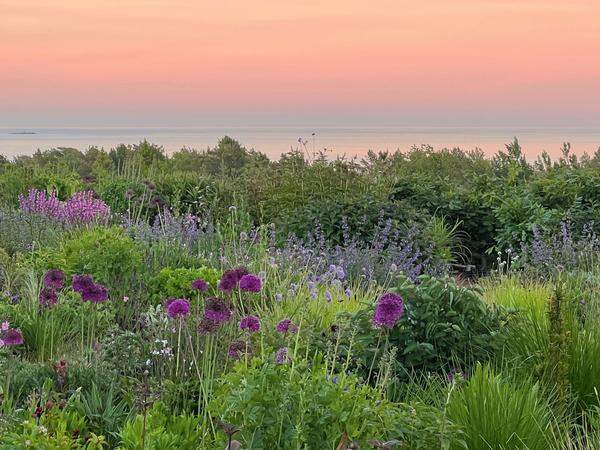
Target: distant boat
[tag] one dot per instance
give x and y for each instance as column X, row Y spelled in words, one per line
column 22, row 132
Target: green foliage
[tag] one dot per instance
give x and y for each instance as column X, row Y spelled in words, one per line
column 280, row 406
column 160, row 430
column 108, row 254
column 496, row 413
column 176, row 283
column 443, row 326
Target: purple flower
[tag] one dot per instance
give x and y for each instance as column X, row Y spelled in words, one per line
column 286, row 326
column 282, row 356
column 178, row 307
column 231, row 278
column 208, row 326
column 12, row 337
column 237, row 349
column 54, row 279
column 389, row 309
column 328, row 296
column 199, row 285
column 48, row 297
column 96, row 293
column 217, row 310
column 250, row 283
column 250, row 323
column 82, row 282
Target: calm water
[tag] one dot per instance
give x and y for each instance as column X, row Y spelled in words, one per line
column 276, row 140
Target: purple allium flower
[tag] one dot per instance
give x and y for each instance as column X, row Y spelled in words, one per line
column 217, row 310
column 179, row 307
column 96, row 293
column 229, row 280
column 208, row 326
column 389, row 309
column 237, row 349
column 250, row 283
column 282, row 356
column 82, row 282
column 48, row 297
column 12, row 337
column 286, row 326
column 250, row 323
column 54, row 279
column 199, row 285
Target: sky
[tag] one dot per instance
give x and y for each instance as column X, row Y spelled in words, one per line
column 301, row 62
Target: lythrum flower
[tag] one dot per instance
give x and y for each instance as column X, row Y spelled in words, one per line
column 250, row 283
column 179, row 307
column 54, row 279
column 250, row 323
column 389, row 309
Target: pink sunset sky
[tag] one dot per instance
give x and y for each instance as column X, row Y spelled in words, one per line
column 256, row 62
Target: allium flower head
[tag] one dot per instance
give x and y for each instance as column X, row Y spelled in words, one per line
column 250, row 323
column 237, row 349
column 54, row 279
column 179, row 307
column 286, row 326
column 208, row 326
column 217, row 310
column 12, row 337
column 82, row 282
column 250, row 283
column 282, row 356
column 389, row 309
column 199, row 285
column 96, row 293
column 48, row 297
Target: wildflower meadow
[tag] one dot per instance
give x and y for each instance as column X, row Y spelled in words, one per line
column 219, row 300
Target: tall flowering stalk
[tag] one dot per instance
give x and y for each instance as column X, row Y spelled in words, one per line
column 81, row 209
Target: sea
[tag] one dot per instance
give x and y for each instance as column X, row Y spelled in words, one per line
column 333, row 141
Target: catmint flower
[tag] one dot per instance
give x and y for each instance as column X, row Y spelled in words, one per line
column 250, row 323
column 250, row 283
column 348, row 292
column 278, row 297
column 54, row 279
column 389, row 309
column 286, row 326
column 199, row 285
column 393, row 267
column 178, row 307
column 48, row 297
column 328, row 296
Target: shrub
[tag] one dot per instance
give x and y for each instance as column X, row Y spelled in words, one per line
column 176, row 283
column 107, row 254
column 280, row 406
column 443, row 326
